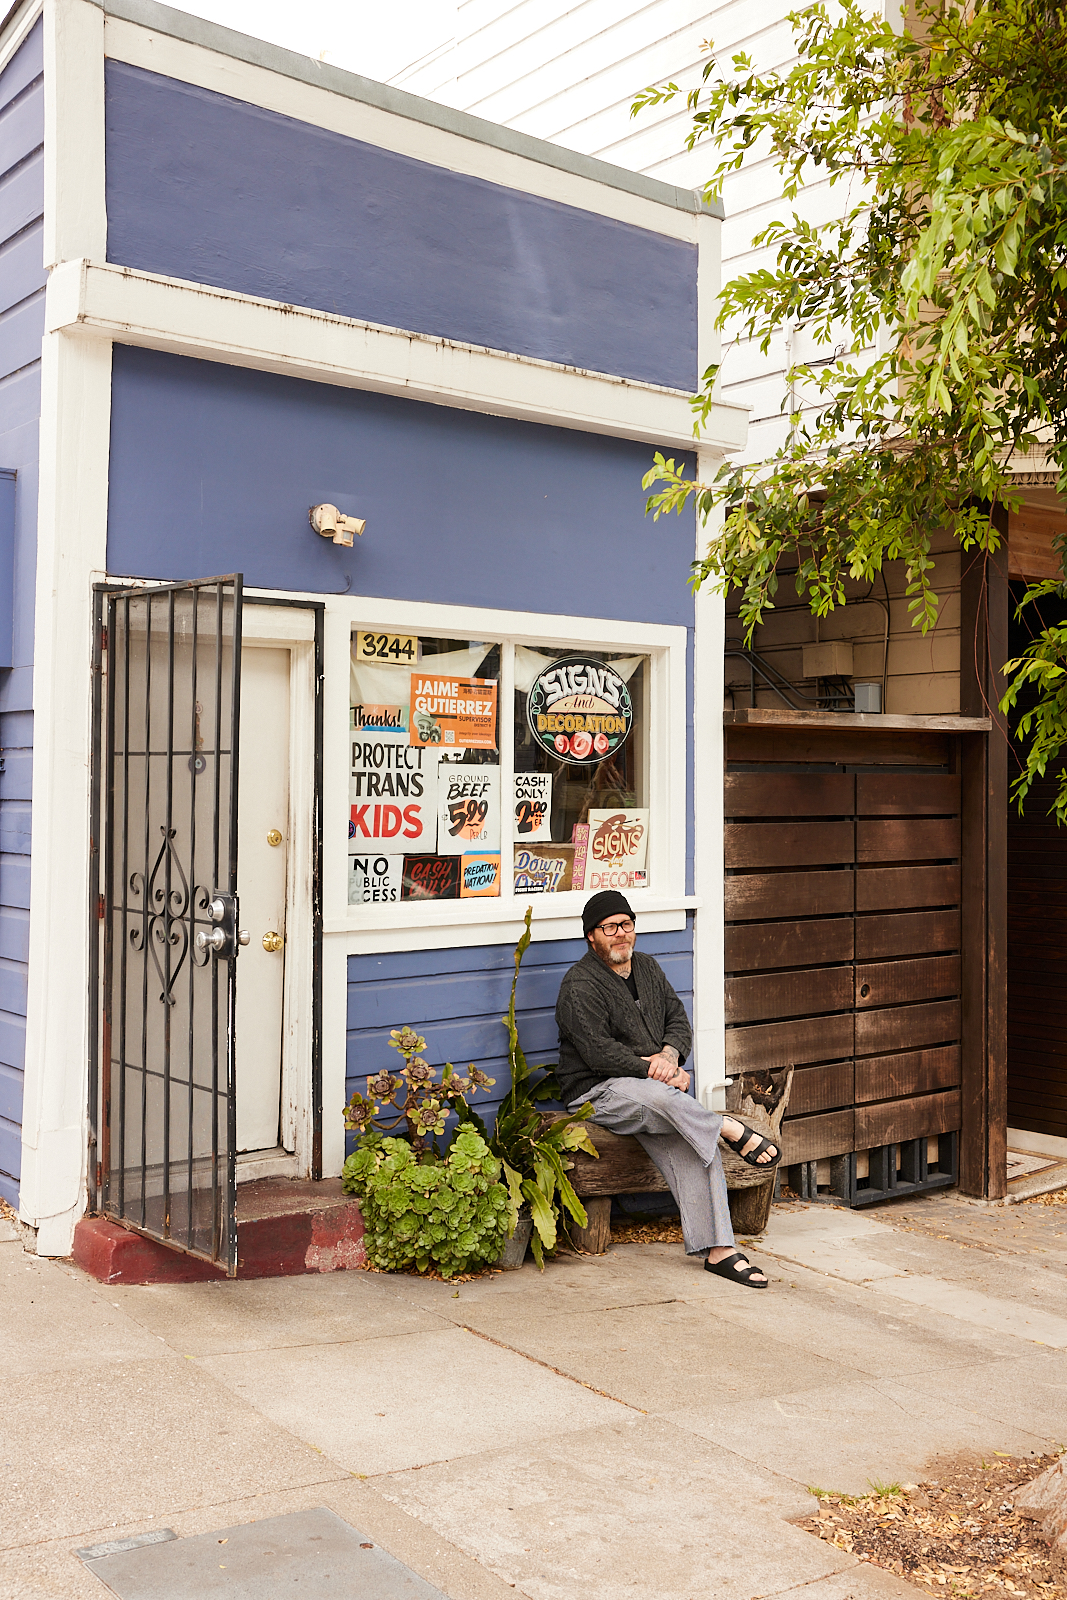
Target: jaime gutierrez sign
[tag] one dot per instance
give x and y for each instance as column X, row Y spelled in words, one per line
column 580, row 710
column 459, row 713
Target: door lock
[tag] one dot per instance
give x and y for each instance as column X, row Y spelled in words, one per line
column 224, row 937
column 272, row 942
column 274, row 837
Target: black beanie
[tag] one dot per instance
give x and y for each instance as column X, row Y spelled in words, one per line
column 602, row 905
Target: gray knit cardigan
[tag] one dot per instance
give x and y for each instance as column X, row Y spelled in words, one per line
column 604, row 1032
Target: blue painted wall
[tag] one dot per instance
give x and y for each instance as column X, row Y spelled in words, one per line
column 22, row 280
column 203, row 187
column 455, row 999
column 213, row 469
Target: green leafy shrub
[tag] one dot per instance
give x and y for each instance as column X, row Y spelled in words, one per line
column 449, row 1210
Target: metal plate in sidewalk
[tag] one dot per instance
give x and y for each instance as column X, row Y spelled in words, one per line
column 313, row 1553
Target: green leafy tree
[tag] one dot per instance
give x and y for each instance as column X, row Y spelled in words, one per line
column 944, row 281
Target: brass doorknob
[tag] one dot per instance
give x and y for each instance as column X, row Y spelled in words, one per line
column 272, row 942
column 274, row 837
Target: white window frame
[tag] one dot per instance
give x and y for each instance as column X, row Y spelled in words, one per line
column 440, row 924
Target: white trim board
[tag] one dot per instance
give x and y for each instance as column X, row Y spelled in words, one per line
column 161, row 313
column 176, row 45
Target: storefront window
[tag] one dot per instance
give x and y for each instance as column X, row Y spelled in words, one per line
column 439, row 811
column 581, row 810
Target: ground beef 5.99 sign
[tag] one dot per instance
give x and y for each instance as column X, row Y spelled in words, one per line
column 580, row 710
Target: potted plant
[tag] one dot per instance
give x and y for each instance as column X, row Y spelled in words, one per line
column 422, row 1206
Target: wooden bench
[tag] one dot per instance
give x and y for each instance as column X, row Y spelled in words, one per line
column 624, row 1168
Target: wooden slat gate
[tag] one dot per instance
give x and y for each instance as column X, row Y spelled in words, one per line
column 843, row 955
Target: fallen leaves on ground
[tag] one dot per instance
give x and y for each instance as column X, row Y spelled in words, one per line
column 1058, row 1197
column 7, row 1212
column 955, row 1534
column 669, row 1231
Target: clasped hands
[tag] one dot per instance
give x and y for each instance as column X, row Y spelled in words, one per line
column 664, row 1067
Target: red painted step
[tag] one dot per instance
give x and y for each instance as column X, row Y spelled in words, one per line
column 285, row 1227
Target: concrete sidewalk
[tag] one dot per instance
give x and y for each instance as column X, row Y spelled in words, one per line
column 626, row 1425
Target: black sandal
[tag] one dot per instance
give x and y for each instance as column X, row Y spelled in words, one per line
column 753, row 1156
column 726, row 1269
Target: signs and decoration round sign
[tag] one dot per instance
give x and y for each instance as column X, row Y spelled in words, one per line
column 580, row 710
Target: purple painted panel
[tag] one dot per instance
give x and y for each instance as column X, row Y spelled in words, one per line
column 211, row 189
column 22, row 125
column 25, row 65
column 22, row 195
column 15, row 881
column 21, row 274
column 213, row 469
column 21, row 331
column 22, row 279
column 14, row 924
column 12, row 1040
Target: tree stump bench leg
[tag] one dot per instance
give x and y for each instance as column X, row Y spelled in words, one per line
column 595, row 1238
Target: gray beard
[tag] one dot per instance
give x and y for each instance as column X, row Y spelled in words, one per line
column 619, row 958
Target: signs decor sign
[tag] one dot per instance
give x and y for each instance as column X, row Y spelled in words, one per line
column 468, row 809
column 459, row 713
column 533, row 806
column 580, row 710
column 618, row 849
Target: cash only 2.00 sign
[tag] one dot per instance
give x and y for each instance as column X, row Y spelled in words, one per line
column 580, row 710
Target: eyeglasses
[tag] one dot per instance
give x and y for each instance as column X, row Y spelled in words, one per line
column 610, row 929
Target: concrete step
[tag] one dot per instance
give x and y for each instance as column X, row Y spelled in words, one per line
column 285, row 1227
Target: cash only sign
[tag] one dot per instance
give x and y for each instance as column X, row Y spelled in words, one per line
column 580, row 710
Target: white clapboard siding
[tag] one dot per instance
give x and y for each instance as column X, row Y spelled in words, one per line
column 569, row 72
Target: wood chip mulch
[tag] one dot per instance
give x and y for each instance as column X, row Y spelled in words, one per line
column 955, row 1534
column 669, row 1231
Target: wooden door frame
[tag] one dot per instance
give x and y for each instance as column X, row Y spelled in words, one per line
column 290, row 628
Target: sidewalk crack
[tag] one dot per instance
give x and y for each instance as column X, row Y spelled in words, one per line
column 641, row 1412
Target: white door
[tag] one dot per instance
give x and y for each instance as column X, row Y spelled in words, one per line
column 262, row 844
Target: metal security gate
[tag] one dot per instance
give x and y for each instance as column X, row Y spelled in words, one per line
column 167, row 692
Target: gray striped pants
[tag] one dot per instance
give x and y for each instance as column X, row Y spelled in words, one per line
column 682, row 1139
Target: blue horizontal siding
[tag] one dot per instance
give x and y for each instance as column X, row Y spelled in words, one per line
column 25, row 66
column 216, row 191
column 456, row 999
column 21, row 192
column 15, row 931
column 10, row 1093
column 20, row 265
column 12, row 1040
column 10, row 1160
column 21, row 123
column 22, row 285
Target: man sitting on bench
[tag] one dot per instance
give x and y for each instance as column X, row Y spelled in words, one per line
column 623, row 1039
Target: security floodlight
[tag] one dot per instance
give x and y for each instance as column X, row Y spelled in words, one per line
column 332, row 524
